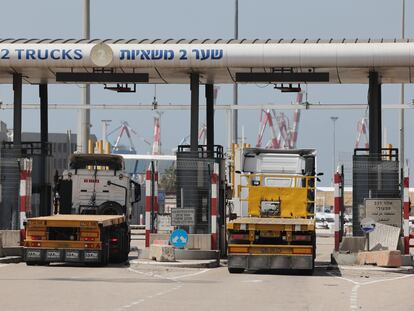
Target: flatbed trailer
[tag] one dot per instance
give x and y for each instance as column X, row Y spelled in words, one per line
column 296, row 252
column 89, row 239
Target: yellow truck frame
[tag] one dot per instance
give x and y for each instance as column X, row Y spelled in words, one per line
column 89, row 239
column 282, row 239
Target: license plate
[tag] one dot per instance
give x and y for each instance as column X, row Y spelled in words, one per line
column 53, row 255
column 91, row 255
column 74, row 255
column 34, row 254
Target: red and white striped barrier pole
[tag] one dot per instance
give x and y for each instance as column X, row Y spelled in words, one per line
column 155, row 197
column 25, row 194
column 337, row 208
column 147, row 207
column 406, row 207
column 213, row 205
column 148, row 202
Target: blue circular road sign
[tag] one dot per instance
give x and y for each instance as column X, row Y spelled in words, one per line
column 179, row 238
column 367, row 225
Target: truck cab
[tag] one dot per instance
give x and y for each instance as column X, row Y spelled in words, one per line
column 96, row 184
column 275, row 226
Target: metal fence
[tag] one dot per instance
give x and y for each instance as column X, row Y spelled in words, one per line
column 9, row 188
column 194, row 172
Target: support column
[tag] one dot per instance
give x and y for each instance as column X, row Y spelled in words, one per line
column 210, row 118
column 194, row 87
column 44, row 131
column 17, row 112
column 374, row 104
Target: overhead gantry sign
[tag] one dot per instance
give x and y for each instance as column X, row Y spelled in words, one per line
column 216, row 61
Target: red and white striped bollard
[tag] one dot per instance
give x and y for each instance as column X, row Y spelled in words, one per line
column 213, row 205
column 406, row 209
column 337, row 208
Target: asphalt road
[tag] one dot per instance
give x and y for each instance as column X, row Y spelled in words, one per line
column 143, row 287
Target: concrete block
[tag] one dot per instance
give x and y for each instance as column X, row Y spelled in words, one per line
column 343, row 259
column 199, row 242
column 158, row 236
column 195, row 241
column 351, row 244
column 380, row 258
column 185, row 254
column 162, row 253
column 384, row 237
column 161, row 242
column 10, row 238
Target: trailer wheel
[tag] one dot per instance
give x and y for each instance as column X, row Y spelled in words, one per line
column 236, row 270
column 120, row 252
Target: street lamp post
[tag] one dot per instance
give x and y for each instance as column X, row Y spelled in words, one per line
column 334, row 146
column 402, row 135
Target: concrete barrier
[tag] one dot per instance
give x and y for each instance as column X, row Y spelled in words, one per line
column 162, row 253
column 380, row 258
column 352, row 244
column 10, row 238
column 195, row 241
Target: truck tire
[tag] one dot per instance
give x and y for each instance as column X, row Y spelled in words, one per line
column 236, row 270
column 110, row 208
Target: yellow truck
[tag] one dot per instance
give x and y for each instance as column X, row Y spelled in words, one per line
column 275, row 226
column 92, row 207
column 89, row 239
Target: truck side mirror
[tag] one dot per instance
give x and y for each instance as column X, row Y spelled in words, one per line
column 137, row 192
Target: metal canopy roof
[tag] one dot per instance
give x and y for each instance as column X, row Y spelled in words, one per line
column 217, row 60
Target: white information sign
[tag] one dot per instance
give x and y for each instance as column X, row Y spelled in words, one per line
column 384, row 211
column 182, row 217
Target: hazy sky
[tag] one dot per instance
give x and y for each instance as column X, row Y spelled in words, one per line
column 213, row 19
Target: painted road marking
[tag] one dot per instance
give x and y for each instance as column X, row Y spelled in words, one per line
column 353, row 303
column 175, row 279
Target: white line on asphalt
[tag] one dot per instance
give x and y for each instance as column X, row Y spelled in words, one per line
column 354, row 292
column 190, row 275
column 151, row 274
column 354, row 298
column 387, row 280
column 343, row 278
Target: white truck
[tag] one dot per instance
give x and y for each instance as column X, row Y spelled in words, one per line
column 92, row 208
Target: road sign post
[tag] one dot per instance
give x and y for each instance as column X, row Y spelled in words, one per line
column 367, row 226
column 179, row 238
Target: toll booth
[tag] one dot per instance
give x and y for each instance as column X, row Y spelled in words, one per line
column 201, row 187
column 374, row 176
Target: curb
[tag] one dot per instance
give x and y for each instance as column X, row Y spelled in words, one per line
column 198, row 264
column 11, row 259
